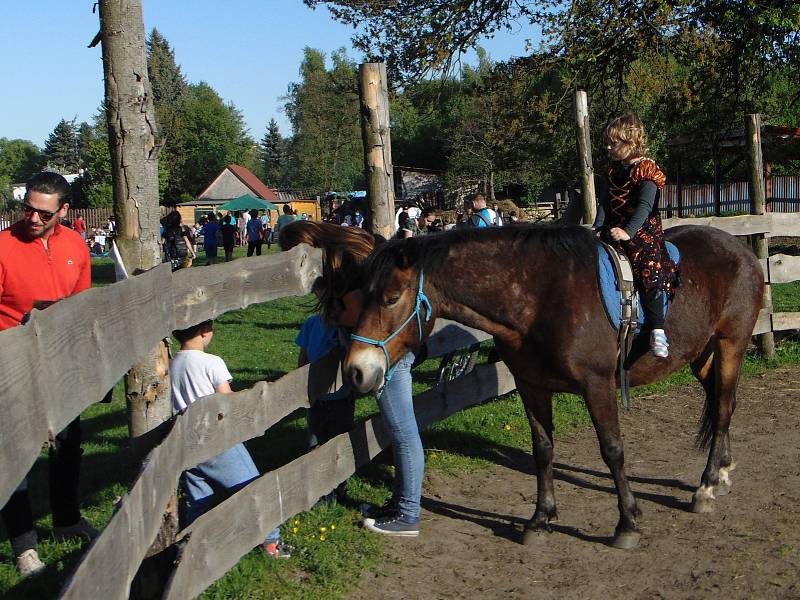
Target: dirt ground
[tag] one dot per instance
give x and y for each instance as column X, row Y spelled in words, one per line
column 749, row 547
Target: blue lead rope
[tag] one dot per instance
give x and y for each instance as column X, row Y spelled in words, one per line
column 421, row 299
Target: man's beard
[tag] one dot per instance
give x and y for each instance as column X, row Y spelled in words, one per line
column 36, row 232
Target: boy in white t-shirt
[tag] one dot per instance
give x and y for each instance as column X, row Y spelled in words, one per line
column 194, row 374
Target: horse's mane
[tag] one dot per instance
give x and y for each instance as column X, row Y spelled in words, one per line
column 573, row 244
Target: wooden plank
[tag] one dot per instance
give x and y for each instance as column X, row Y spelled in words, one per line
column 784, row 321
column 784, row 224
column 783, row 268
column 448, row 336
column 209, row 426
column 206, row 293
column 68, row 356
column 740, row 225
column 763, row 323
column 771, row 224
column 215, row 542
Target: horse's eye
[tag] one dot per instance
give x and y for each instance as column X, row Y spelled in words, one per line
column 392, row 301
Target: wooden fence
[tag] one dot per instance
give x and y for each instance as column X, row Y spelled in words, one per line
column 93, row 217
column 116, row 326
column 688, row 200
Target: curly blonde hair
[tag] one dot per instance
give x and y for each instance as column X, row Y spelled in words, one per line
column 627, row 133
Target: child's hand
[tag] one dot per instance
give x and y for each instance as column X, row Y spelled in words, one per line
column 618, row 235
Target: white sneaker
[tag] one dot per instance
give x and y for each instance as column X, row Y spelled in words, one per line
column 28, row 563
column 659, row 344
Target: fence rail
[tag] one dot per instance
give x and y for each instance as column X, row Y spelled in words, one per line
column 119, row 324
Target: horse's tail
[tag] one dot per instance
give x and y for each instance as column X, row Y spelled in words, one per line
column 708, row 422
column 710, row 417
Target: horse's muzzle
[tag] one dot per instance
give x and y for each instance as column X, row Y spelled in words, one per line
column 364, row 378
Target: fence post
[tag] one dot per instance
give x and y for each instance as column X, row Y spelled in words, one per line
column 752, row 124
column 373, row 89
column 585, row 157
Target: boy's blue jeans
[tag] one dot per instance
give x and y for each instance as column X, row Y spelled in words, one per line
column 397, row 407
column 232, row 470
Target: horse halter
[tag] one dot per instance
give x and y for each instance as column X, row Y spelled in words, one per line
column 421, row 299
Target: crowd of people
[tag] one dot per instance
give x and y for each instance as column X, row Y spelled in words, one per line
column 229, row 230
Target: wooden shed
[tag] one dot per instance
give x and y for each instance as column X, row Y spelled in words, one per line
column 236, row 180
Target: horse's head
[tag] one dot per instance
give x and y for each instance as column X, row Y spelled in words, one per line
column 396, row 317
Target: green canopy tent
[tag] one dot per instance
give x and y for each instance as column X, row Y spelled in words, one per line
column 247, row 202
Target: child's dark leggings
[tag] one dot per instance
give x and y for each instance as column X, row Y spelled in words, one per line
column 653, row 303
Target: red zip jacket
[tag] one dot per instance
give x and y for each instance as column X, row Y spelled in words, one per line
column 29, row 272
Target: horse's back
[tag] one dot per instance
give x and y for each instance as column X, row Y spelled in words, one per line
column 722, row 269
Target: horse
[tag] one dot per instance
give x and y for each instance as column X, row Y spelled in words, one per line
column 536, row 290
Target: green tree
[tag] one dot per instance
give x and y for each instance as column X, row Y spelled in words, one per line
column 61, row 148
column 19, row 159
column 211, row 136
column 170, row 91
column 727, row 50
column 85, row 136
column 272, row 155
column 325, row 152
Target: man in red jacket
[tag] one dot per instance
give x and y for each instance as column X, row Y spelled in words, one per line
column 43, row 261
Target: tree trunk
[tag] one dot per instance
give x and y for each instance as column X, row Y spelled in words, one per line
column 376, row 135
column 132, row 135
column 585, row 165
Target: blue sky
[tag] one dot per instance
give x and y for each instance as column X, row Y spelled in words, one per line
column 248, row 50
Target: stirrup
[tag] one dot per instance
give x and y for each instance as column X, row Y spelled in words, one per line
column 659, row 344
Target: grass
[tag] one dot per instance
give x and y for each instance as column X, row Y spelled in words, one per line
column 332, row 550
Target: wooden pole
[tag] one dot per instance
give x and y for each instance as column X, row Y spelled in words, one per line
column 752, row 123
column 585, row 157
column 132, row 138
column 376, row 135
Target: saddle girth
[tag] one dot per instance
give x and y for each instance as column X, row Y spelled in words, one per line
column 629, row 312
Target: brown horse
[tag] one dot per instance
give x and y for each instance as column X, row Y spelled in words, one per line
column 536, row 291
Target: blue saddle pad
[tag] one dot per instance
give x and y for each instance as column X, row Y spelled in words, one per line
column 609, row 286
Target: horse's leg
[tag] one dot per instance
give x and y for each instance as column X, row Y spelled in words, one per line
column 602, row 404
column 539, row 408
column 719, row 378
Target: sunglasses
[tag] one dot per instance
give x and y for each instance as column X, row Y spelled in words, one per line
column 44, row 215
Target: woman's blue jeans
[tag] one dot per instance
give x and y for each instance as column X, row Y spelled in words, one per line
column 397, row 407
column 231, row 470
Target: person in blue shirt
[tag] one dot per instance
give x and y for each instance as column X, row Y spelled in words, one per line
column 481, row 215
column 332, row 413
column 210, row 230
column 255, row 234
column 340, row 297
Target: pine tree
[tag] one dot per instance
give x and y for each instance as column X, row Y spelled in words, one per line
column 84, row 140
column 272, row 155
column 61, row 148
column 166, row 79
column 170, row 94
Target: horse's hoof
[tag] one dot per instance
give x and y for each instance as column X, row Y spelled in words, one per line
column 702, row 505
column 626, row 540
column 533, row 536
column 723, row 488
column 703, row 500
